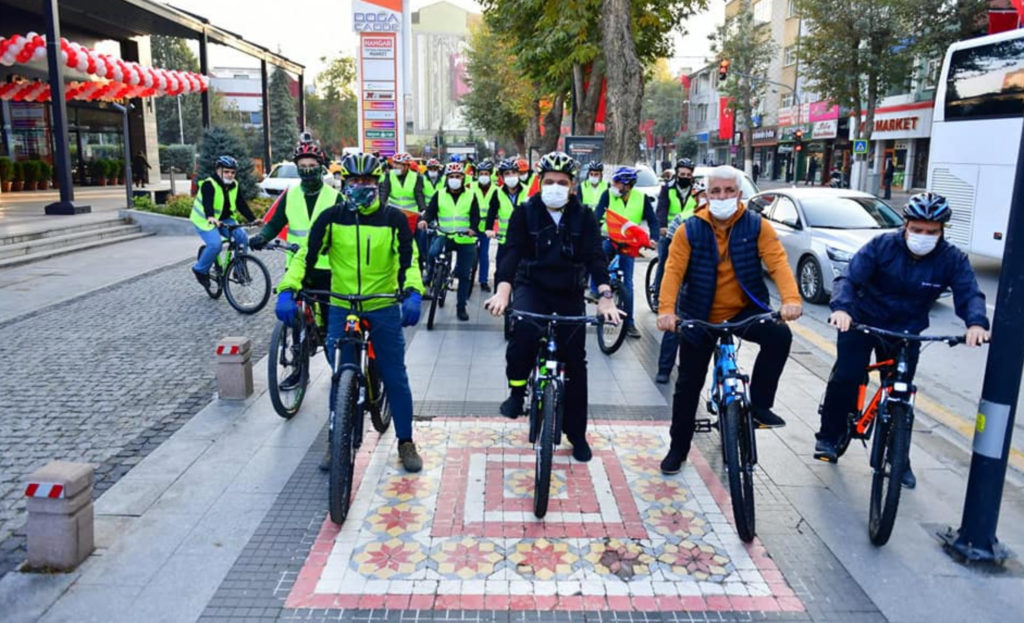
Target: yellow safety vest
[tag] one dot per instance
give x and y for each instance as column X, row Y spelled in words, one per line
column 198, row 215
column 300, row 222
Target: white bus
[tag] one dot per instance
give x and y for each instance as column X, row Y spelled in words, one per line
column 976, row 131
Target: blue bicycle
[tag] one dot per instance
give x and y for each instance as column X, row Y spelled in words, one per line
column 730, row 402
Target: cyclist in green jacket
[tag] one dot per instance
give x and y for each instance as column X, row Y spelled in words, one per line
column 371, row 251
column 218, row 203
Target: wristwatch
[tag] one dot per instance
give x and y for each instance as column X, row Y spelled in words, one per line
column 607, row 294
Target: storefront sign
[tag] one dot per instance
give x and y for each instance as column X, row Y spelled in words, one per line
column 902, row 124
column 825, row 129
column 379, row 23
column 794, row 115
column 702, row 137
column 377, row 15
column 765, row 136
column 823, row 111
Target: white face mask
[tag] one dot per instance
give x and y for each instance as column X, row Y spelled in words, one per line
column 723, row 209
column 554, row 196
column 524, row 177
column 485, row 180
column 614, row 190
column 921, row 244
column 432, row 174
column 595, row 180
column 511, row 181
column 455, row 183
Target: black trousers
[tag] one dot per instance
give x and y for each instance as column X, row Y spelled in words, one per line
column 521, row 353
column 853, row 354
column 695, row 350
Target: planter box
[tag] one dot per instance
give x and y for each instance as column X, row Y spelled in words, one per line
column 160, row 224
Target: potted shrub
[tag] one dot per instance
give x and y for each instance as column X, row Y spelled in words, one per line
column 111, row 165
column 98, row 172
column 6, row 174
column 120, row 170
column 45, row 173
column 31, row 174
column 18, row 181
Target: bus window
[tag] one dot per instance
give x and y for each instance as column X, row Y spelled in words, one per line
column 986, row 81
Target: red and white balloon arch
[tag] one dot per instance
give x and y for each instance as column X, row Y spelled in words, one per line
column 118, row 79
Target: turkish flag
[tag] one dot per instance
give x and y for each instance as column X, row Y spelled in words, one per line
column 726, row 118
column 283, row 234
column 629, row 236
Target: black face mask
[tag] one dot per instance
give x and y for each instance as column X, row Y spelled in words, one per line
column 311, row 178
column 684, row 182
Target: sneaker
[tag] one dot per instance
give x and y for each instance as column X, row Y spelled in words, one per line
column 484, row 287
column 325, row 462
column 662, row 378
column 673, row 461
column 291, row 382
column 633, row 332
column 825, row 450
column 909, row 481
column 513, row 405
column 411, row 460
column 462, row 314
column 764, row 418
column 202, row 278
column 581, row 450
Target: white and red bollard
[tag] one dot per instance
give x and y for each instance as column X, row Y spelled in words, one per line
column 234, row 368
column 60, row 515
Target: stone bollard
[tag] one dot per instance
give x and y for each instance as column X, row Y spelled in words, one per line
column 60, row 522
column 234, row 368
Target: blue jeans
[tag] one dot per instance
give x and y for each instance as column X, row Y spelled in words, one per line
column 212, row 239
column 626, row 263
column 484, row 256
column 389, row 347
column 465, row 255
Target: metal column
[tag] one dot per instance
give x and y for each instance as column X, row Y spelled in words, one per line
column 265, row 98
column 204, row 68
column 302, row 102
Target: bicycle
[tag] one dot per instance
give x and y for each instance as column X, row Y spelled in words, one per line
column 546, row 393
column 243, row 279
column 355, row 389
column 441, row 275
column 649, row 289
column 892, row 407
column 610, row 336
column 730, row 402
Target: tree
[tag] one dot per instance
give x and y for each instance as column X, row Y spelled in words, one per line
column 749, row 48
column 173, row 53
column 331, row 109
column 940, row 23
column 686, row 147
column 625, row 83
column 663, row 103
column 284, row 127
column 219, row 141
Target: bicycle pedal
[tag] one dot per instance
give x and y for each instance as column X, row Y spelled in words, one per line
column 704, row 425
column 711, row 407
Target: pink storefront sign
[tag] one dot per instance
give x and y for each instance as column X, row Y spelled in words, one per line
column 823, row 111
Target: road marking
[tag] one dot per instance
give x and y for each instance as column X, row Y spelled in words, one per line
column 928, row 406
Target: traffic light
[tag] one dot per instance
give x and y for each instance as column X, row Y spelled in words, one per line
column 723, row 69
column 799, row 137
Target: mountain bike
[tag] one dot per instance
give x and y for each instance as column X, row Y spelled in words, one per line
column 355, row 389
column 546, row 395
column 892, row 409
column 243, row 279
column 441, row 275
column 610, row 336
column 649, row 284
column 730, row 401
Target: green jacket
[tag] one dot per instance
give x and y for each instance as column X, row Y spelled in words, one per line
column 368, row 254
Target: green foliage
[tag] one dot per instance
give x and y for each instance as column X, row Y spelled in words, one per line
column 218, row 141
column 331, row 110
column 18, row 171
column 939, row 23
column 115, row 169
column 663, row 102
column 181, row 157
column 686, row 147
column 260, row 205
column 97, row 169
column 284, row 128
column 6, row 169
column 45, row 171
column 178, row 205
column 173, row 53
column 31, row 171
column 144, row 202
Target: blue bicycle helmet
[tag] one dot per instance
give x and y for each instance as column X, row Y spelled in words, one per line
column 625, row 175
column 927, row 206
column 226, row 162
column 455, row 158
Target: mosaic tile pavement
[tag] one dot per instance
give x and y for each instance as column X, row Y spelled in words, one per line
column 618, row 535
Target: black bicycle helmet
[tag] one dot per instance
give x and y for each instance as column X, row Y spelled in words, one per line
column 226, row 162
column 360, row 165
column 684, row 162
column 307, row 149
column 557, row 162
column 927, row 206
column 486, row 165
column 507, row 165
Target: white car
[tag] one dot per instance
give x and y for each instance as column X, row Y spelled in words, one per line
column 283, row 176
column 649, row 183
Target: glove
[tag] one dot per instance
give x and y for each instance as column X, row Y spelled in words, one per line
column 286, row 308
column 411, row 309
column 257, row 242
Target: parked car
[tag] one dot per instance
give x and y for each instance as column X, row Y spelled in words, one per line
column 821, row 229
column 649, row 184
column 283, row 175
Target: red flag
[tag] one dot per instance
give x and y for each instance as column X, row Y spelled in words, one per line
column 630, row 236
column 725, row 118
column 1019, row 5
column 283, row 234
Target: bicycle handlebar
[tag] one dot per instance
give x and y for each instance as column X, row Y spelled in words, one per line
column 730, row 327
column 278, row 245
column 353, row 298
column 553, row 317
column 952, row 340
column 451, row 231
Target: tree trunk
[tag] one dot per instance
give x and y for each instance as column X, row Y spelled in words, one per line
column 588, row 99
column 625, row 84
column 553, row 125
column 520, row 140
column 533, row 128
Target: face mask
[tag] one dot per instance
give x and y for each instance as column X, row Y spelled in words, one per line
column 433, row 175
column 361, row 195
column 554, row 196
column 921, row 244
column 723, row 209
column 455, row 183
column 614, row 190
column 684, row 182
column 485, row 180
column 311, row 179
column 523, row 178
column 511, row 181
column 595, row 180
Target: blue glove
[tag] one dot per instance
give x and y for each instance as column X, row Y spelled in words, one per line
column 411, row 309
column 286, row 308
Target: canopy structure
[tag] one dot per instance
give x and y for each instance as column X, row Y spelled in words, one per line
column 113, row 78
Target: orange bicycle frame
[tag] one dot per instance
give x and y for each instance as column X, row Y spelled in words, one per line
column 868, row 415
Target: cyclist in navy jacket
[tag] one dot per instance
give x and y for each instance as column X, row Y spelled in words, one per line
column 891, row 283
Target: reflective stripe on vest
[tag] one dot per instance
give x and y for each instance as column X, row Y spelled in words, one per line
column 505, row 209
column 452, row 215
column 401, row 194
column 632, row 210
column 591, row 194
column 300, row 222
column 198, row 215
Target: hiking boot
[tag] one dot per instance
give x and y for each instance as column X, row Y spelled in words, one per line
column 513, row 405
column 662, row 378
column 292, row 381
column 411, row 460
column 633, row 332
column 462, row 314
column 765, row 418
column 825, row 450
column 673, row 461
column 202, row 278
column 909, row 480
column 581, row 450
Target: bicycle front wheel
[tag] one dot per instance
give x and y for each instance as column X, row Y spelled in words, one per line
column 739, row 464
column 344, row 411
column 610, row 336
column 545, row 449
column 436, row 289
column 213, row 285
column 247, row 284
column 891, row 456
column 376, row 398
column 287, row 364
column 652, row 294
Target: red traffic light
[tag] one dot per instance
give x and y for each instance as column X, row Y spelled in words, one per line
column 798, row 148
column 723, row 68
column 799, row 135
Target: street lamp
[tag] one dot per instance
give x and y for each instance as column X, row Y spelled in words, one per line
column 181, row 127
